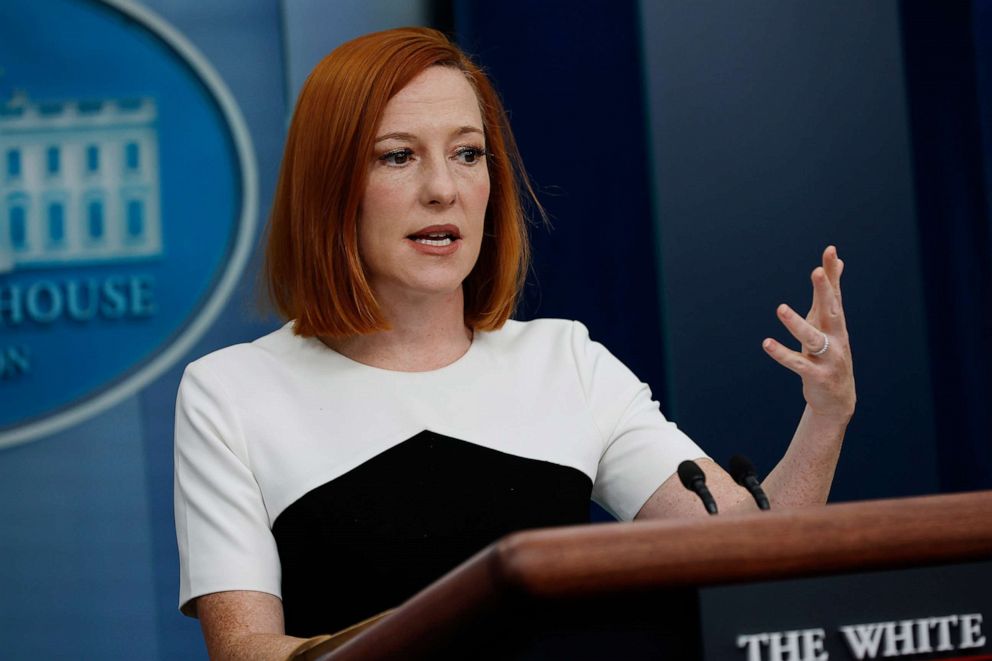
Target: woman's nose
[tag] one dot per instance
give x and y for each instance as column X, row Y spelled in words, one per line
column 439, row 187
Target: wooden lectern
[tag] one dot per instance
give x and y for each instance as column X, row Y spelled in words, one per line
column 645, row 589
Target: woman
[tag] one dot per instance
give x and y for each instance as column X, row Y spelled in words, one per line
column 401, row 421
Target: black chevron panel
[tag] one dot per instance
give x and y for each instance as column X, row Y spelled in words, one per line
column 371, row 538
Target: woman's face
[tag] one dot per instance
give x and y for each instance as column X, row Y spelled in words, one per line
column 422, row 215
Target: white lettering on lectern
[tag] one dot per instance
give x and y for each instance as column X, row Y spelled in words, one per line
column 893, row 639
column 904, row 637
column 804, row 645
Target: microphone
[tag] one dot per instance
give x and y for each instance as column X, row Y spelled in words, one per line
column 694, row 479
column 742, row 470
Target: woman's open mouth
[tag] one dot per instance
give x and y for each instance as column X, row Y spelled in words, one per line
column 434, row 239
column 437, row 236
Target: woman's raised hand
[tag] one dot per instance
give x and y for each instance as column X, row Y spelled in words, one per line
column 824, row 363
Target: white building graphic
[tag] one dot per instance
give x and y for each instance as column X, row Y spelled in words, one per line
column 79, row 182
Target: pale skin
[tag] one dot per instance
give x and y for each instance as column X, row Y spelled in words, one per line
column 429, row 170
column 803, row 476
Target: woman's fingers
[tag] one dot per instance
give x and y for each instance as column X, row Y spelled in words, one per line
column 834, row 267
column 827, row 313
column 824, row 363
column 811, row 337
column 827, row 304
column 792, row 360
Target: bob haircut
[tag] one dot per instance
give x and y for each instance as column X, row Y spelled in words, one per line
column 313, row 267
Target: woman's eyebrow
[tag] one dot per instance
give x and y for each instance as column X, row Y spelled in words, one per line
column 398, row 135
column 469, row 129
column 409, row 137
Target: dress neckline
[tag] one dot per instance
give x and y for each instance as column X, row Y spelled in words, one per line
column 474, row 346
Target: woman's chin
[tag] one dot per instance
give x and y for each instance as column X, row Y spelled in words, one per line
column 421, row 289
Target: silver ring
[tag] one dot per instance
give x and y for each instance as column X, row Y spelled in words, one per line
column 826, row 345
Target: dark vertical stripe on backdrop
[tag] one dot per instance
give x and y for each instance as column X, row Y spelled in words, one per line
column 570, row 76
column 952, row 209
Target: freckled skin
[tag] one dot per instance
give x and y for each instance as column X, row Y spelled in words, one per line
column 803, row 476
column 441, row 179
column 434, row 183
column 244, row 625
column 425, row 179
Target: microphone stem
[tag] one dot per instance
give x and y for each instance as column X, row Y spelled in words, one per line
column 752, row 484
column 708, row 501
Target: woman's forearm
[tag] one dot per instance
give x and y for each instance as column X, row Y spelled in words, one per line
column 806, row 471
column 245, row 625
column 254, row 647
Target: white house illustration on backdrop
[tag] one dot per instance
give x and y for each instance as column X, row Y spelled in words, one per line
column 79, row 182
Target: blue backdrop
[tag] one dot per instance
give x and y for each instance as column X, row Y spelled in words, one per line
column 695, row 157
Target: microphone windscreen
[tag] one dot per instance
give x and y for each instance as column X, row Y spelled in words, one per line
column 741, row 468
column 690, row 473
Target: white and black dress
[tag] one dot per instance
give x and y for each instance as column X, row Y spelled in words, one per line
column 344, row 488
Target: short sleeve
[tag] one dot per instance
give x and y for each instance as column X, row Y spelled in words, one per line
column 222, row 528
column 641, row 448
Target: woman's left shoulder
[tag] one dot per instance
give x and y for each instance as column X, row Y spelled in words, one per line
column 538, row 330
column 541, row 341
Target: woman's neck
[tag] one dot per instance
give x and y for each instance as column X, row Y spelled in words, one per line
column 424, row 335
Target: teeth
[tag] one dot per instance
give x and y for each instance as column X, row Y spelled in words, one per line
column 434, row 242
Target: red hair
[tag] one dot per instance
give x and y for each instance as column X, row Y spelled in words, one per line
column 313, row 268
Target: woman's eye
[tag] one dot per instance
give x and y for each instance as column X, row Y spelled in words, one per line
column 470, row 155
column 397, row 157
